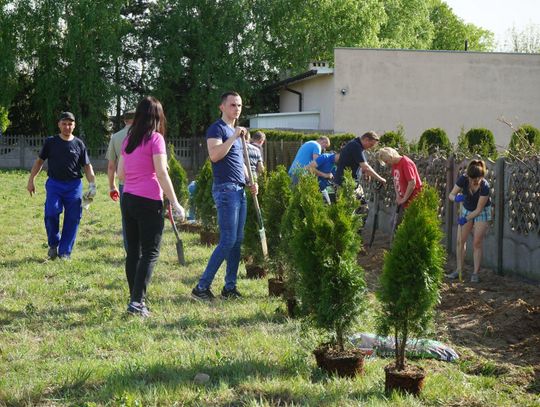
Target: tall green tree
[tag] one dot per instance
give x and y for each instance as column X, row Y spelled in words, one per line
column 451, row 32
column 407, row 25
column 42, row 54
column 8, row 54
column 91, row 46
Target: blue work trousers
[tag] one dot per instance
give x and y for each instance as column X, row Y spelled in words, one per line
column 230, row 200
column 63, row 196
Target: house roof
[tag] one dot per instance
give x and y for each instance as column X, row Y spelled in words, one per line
column 296, row 78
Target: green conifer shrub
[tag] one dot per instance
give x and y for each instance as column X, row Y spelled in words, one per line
column 525, row 141
column 482, row 142
column 325, row 242
column 412, row 273
column 179, row 178
column 433, row 140
column 395, row 139
column 276, row 200
column 204, row 202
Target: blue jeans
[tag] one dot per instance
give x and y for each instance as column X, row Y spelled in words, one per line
column 230, row 200
column 63, row 196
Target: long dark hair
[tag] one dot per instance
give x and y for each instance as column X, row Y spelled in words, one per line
column 149, row 117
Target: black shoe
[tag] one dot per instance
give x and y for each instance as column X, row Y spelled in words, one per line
column 202, row 295
column 136, row 308
column 53, row 252
column 232, row 293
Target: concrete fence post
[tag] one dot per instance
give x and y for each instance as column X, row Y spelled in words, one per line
column 499, row 213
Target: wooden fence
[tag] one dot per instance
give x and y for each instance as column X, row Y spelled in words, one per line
column 17, row 151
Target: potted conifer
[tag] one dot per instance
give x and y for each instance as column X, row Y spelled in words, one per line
column 255, row 262
column 409, row 285
column 205, row 206
column 277, row 198
column 329, row 283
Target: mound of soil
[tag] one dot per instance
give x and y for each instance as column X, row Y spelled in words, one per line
column 497, row 318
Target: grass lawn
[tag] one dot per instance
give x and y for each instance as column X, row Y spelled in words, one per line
column 65, row 338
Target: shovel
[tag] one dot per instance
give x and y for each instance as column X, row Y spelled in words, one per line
column 179, row 243
column 394, row 222
column 262, row 233
column 378, row 187
column 459, row 251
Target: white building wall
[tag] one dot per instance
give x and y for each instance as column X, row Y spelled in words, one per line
column 296, row 120
column 381, row 89
column 318, row 95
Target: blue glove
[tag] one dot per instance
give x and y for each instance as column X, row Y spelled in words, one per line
column 462, row 220
column 459, row 198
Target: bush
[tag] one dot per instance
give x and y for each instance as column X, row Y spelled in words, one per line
column 178, row 177
column 481, row 141
column 252, row 241
column 412, row 273
column 276, row 200
column 204, row 202
column 395, row 139
column 4, row 120
column 433, row 140
column 325, row 242
column 525, row 141
column 276, row 135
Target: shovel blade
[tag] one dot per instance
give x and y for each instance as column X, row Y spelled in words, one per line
column 264, row 245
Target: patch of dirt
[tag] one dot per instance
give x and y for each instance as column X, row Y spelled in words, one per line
column 497, row 318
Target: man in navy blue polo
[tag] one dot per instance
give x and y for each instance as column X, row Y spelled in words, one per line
column 67, row 158
column 224, row 144
column 352, row 158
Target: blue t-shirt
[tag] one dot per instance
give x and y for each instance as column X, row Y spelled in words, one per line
column 471, row 200
column 351, row 156
column 66, row 159
column 325, row 163
column 231, row 167
column 304, row 155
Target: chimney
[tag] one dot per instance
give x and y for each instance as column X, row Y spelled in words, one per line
column 320, row 67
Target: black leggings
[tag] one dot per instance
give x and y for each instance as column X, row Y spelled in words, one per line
column 144, row 226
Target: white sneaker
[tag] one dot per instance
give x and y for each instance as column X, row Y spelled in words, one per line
column 475, row 278
column 453, row 275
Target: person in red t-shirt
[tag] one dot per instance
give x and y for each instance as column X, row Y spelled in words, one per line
column 407, row 182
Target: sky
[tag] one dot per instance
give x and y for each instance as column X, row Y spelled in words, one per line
column 498, row 16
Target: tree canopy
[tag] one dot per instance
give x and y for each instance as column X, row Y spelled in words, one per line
column 99, row 57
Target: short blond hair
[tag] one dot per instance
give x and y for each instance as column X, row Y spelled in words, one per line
column 324, row 138
column 387, row 154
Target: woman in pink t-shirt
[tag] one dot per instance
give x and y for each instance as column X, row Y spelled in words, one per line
column 143, row 167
